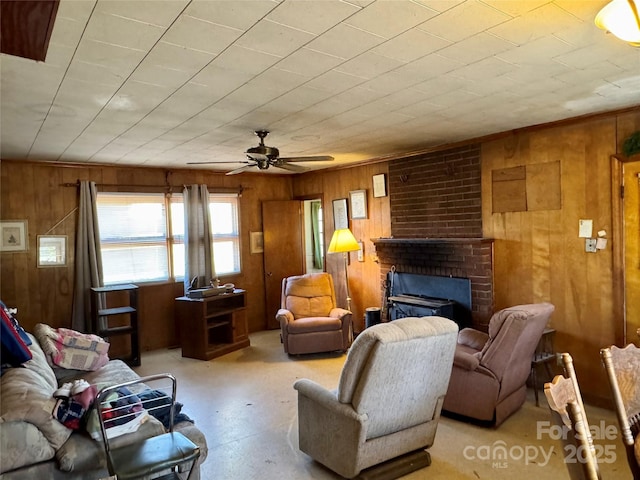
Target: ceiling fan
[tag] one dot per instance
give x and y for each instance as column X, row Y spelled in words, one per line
column 264, row 157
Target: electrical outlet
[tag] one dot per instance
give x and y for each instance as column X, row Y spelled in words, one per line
column 590, row 245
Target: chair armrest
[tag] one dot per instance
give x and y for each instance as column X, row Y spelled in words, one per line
column 466, row 361
column 327, row 399
column 339, row 312
column 285, row 316
column 472, row 338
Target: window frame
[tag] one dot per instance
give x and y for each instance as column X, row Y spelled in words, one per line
column 171, row 238
column 159, row 241
column 216, row 238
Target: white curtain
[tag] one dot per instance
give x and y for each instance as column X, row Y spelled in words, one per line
column 198, row 252
column 88, row 258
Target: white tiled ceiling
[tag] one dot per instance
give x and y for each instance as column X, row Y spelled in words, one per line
column 166, row 82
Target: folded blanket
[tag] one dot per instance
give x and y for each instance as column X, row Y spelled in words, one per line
column 71, row 349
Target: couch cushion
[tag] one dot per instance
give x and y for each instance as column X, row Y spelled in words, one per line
column 302, row 307
column 21, row 444
column 310, row 285
column 314, row 324
column 27, row 396
column 310, row 295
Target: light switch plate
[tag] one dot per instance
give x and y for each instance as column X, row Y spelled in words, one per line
column 590, row 245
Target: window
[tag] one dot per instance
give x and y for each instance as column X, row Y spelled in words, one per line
column 133, row 237
column 223, row 209
column 140, row 233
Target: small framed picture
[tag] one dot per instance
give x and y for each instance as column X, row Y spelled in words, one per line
column 358, row 200
column 13, row 236
column 52, row 250
column 257, row 242
column 379, row 185
column 340, row 218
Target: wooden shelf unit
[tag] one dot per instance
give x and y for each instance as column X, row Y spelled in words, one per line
column 212, row 326
column 101, row 318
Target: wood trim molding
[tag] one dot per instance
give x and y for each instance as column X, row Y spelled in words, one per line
column 26, row 27
column 617, row 237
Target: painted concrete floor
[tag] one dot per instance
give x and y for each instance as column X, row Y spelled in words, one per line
column 247, row 407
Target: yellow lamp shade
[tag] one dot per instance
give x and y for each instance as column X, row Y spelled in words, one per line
column 343, row 241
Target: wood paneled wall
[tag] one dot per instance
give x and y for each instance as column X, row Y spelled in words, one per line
column 364, row 277
column 33, row 191
column 538, row 254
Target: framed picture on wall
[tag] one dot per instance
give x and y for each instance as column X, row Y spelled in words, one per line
column 340, row 217
column 257, row 242
column 379, row 185
column 358, row 200
column 13, row 236
column 52, row 250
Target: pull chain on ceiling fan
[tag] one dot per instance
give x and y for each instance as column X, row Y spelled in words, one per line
column 264, row 157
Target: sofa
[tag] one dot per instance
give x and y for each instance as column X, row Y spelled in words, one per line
column 34, row 444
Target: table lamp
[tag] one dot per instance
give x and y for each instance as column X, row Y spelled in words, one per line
column 343, row 242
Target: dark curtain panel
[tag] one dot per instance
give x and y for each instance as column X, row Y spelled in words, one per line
column 88, row 258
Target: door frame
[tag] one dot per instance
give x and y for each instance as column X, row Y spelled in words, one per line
column 317, row 196
column 622, row 336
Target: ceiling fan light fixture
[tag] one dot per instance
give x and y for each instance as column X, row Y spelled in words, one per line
column 264, row 156
column 620, row 17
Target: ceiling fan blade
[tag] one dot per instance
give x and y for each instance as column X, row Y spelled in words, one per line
column 213, row 162
column 240, row 170
column 290, row 167
column 319, row 158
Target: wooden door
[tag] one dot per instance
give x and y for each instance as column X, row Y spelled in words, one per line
column 283, row 250
column 632, row 250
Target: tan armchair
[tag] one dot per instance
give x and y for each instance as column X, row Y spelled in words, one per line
column 388, row 399
column 490, row 371
column 309, row 320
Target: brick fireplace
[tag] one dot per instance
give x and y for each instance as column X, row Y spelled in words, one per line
column 470, row 258
column 436, row 223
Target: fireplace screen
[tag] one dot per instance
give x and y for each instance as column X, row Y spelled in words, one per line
column 414, row 295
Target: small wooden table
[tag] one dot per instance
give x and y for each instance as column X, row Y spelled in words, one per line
column 545, row 354
column 212, row 326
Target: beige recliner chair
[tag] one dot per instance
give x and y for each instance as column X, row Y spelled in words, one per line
column 388, row 399
column 490, row 371
column 309, row 320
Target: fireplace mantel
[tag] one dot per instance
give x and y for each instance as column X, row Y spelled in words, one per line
column 427, row 241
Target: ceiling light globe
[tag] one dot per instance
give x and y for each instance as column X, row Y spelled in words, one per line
column 620, row 18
